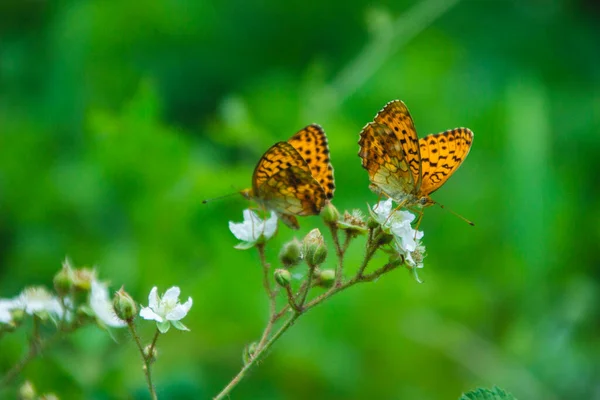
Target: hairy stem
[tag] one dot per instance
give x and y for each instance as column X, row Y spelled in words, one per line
column 256, row 357
column 339, row 251
column 145, row 359
column 271, row 294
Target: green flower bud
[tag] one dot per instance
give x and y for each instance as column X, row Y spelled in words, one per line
column 150, row 356
column 124, row 305
column 325, row 278
column 330, row 214
column 315, row 251
column 83, row 278
column 383, row 238
column 17, row 316
column 372, row 223
column 283, row 277
column 64, row 279
column 27, row 391
column 291, row 253
column 249, row 352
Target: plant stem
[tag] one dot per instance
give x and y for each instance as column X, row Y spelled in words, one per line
column 339, row 251
column 256, row 357
column 145, row 359
column 270, row 293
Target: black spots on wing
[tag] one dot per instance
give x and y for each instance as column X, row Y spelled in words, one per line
column 404, row 131
column 318, row 168
column 308, row 160
column 434, row 151
column 307, row 152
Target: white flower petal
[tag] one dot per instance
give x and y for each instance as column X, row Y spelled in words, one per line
column 153, row 298
column 102, row 306
column 180, row 311
column 5, row 307
column 270, row 226
column 147, row 313
column 172, row 294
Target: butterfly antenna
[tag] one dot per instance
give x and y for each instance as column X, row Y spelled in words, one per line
column 218, row 198
column 456, row 214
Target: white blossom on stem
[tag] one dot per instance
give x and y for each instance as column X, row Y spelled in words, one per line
column 253, row 229
column 166, row 310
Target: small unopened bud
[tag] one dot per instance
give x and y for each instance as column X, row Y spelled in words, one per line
column 325, row 278
column 315, row 251
column 150, row 353
column 27, row 391
column 249, row 352
column 372, row 223
column 83, row 278
column 330, row 214
column 282, row 277
column 291, row 253
column 17, row 316
column 64, row 279
column 383, row 238
column 124, row 306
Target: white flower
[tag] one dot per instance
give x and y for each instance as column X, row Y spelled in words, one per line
column 253, row 229
column 102, row 305
column 407, row 241
column 6, row 306
column 37, row 300
column 166, row 310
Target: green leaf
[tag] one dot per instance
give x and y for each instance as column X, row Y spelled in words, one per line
column 180, row 326
column 245, row 245
column 163, row 327
column 485, row 394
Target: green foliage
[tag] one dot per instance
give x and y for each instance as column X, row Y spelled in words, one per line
column 117, row 119
column 486, row 394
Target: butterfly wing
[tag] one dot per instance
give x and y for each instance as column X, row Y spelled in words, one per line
column 396, row 117
column 384, row 160
column 311, row 143
column 441, row 155
column 283, row 182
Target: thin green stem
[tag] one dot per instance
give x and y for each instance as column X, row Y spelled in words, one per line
column 271, row 294
column 256, row 357
column 339, row 251
column 145, row 359
column 35, row 347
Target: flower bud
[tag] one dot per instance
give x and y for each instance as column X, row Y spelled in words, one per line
column 17, row 316
column 383, row 238
column 124, row 306
column 291, row 253
column 325, row 278
column 315, row 251
column 249, row 351
column 283, row 277
column 63, row 280
column 27, row 391
column 150, row 353
column 83, row 278
column 330, row 214
column 372, row 223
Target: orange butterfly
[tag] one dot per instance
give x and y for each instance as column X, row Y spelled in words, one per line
column 294, row 177
column 404, row 167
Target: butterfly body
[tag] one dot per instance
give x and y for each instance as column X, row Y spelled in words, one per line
column 294, row 177
column 404, row 167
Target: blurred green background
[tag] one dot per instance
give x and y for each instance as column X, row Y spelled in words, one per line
column 118, row 118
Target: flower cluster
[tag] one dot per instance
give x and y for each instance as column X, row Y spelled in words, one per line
column 407, row 240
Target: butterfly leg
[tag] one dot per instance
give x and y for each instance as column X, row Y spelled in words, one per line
column 418, row 222
column 399, row 206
